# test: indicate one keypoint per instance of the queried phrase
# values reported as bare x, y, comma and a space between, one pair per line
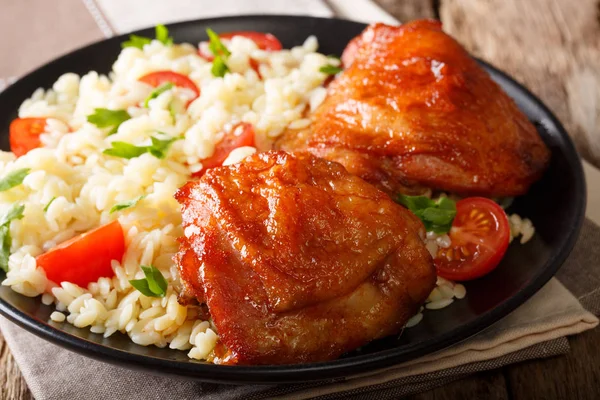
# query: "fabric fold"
557, 314
537, 329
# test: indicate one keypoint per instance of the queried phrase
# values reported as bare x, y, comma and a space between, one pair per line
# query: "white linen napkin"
129, 15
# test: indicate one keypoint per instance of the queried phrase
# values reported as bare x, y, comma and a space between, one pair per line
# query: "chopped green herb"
219, 68
221, 53
334, 56
14, 212
5, 243
215, 45
173, 110
414, 203
437, 216
125, 150
125, 204
13, 179
153, 285
162, 35
158, 148
50, 202
330, 69
136, 41
157, 92
105, 118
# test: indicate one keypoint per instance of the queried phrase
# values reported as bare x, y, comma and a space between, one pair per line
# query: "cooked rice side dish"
85, 183
72, 186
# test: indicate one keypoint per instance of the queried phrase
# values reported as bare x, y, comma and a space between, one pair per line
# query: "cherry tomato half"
255, 65
157, 78
241, 135
86, 257
480, 234
264, 41
25, 134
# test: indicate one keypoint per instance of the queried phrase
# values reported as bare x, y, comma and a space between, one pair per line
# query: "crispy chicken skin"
412, 111
298, 260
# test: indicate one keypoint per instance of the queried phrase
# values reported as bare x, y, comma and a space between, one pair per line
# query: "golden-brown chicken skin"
298, 260
412, 110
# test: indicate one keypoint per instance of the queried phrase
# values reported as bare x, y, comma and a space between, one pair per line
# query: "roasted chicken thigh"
413, 111
298, 260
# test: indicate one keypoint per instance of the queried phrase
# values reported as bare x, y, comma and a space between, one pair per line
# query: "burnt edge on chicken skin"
413, 111
287, 249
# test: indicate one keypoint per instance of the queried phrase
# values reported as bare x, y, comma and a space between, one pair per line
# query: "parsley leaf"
415, 203
215, 45
221, 53
125, 150
158, 148
14, 212
126, 204
105, 118
173, 107
136, 41
437, 216
162, 35
330, 69
5, 243
153, 285
50, 202
219, 68
157, 92
13, 179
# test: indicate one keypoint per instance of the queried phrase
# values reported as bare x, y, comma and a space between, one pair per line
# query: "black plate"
555, 205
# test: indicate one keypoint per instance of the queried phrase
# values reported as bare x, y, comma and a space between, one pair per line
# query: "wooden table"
553, 47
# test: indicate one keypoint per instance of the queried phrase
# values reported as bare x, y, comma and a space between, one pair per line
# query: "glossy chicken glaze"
413, 110
298, 260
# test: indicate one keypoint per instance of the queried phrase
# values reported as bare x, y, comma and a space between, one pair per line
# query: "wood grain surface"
553, 48
12, 384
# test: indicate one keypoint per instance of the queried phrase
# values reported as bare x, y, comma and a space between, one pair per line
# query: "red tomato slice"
241, 135
157, 78
264, 41
86, 257
480, 234
25, 134
254, 65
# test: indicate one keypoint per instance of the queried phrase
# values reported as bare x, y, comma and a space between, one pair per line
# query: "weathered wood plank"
12, 384
406, 10
552, 46
574, 376
484, 385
